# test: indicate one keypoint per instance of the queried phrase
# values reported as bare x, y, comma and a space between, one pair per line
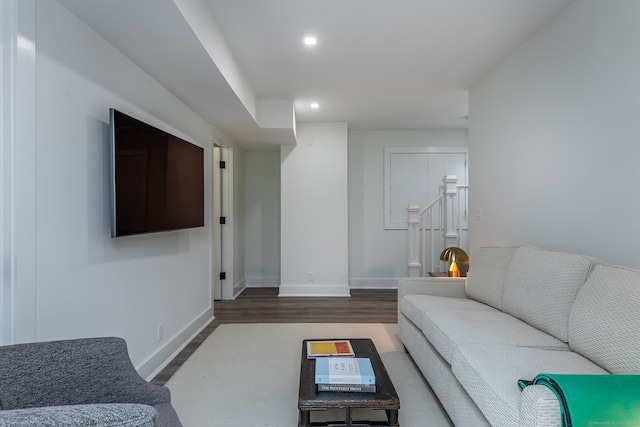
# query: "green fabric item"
594, 400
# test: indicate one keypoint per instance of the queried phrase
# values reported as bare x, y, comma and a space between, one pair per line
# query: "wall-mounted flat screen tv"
157, 179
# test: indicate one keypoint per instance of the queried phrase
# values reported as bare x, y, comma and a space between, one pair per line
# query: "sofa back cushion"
486, 275
604, 325
541, 286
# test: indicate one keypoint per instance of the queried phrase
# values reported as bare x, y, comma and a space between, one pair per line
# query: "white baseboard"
354, 283
314, 291
373, 283
263, 282
238, 288
158, 361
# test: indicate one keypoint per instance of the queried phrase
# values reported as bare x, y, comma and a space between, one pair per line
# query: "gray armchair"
82, 382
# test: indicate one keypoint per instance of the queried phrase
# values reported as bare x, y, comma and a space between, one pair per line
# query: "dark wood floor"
262, 305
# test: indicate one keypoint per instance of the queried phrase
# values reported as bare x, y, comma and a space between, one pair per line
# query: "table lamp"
453, 254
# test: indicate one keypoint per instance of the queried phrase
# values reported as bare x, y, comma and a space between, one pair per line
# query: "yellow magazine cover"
329, 348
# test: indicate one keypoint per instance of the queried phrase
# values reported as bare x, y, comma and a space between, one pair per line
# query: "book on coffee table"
347, 388
344, 370
329, 348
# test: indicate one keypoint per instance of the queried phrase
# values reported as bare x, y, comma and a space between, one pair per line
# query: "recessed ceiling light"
315, 105
310, 41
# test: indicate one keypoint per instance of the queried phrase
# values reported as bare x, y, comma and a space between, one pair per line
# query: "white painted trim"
173, 347
374, 283
228, 286
263, 281
17, 171
388, 152
307, 290
238, 288
8, 67
216, 266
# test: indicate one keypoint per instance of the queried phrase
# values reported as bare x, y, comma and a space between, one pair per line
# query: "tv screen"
157, 179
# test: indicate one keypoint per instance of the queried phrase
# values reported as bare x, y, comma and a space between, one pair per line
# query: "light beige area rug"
247, 375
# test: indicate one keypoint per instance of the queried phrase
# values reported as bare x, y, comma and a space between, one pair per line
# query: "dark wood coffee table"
385, 398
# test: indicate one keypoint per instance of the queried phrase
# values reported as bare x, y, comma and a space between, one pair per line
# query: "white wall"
262, 218
84, 283
314, 212
238, 223
553, 138
17, 159
378, 257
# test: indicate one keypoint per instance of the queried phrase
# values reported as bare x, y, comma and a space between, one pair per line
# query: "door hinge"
223, 276
223, 164
223, 220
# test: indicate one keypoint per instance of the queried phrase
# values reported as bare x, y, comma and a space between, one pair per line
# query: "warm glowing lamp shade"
454, 255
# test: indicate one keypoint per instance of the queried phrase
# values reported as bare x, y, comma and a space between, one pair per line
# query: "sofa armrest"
106, 415
73, 372
452, 287
539, 407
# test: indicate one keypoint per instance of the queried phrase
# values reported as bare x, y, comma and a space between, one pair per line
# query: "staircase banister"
444, 227
431, 205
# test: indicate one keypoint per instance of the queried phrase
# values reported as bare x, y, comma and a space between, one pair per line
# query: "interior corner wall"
378, 257
553, 138
79, 282
262, 218
238, 224
314, 212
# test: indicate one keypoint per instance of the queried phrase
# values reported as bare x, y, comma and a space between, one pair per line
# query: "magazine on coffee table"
329, 348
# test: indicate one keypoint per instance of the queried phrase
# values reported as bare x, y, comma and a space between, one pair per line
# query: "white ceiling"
378, 64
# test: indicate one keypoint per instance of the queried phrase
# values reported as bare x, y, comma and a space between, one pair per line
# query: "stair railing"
445, 230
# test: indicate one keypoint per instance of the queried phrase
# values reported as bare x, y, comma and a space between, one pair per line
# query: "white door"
217, 231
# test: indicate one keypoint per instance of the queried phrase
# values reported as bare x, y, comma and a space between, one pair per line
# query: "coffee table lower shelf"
385, 398
392, 420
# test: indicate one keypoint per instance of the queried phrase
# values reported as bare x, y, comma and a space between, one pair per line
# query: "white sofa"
521, 311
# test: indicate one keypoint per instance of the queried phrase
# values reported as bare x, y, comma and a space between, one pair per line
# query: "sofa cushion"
448, 329
490, 374
457, 403
541, 286
414, 306
487, 272
604, 324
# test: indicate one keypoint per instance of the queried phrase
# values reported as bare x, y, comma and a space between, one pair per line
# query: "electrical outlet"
310, 276
478, 214
160, 331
